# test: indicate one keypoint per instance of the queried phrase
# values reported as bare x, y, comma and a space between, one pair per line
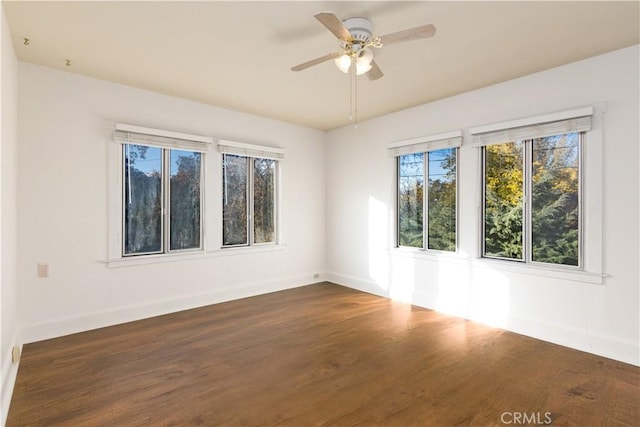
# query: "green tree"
442, 200
143, 203
555, 199
410, 200
504, 176
234, 212
185, 200
263, 200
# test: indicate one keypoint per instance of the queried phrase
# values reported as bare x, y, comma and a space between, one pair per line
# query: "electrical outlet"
43, 270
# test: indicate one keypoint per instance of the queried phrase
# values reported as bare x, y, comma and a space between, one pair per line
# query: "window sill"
154, 259
244, 250
559, 272
509, 266
192, 255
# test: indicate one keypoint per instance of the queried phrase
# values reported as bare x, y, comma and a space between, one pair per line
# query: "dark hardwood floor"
317, 355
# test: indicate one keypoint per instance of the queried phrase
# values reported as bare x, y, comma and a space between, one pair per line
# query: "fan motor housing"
360, 28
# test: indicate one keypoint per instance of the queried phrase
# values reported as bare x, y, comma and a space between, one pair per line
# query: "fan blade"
316, 61
415, 33
375, 72
334, 25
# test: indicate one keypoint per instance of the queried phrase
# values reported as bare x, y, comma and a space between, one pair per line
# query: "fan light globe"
362, 68
343, 62
363, 63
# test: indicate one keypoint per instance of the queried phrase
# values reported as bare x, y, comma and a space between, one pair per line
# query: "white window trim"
119, 134
477, 132
592, 215
211, 193
251, 151
424, 144
537, 270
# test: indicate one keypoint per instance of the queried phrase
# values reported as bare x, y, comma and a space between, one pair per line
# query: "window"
429, 165
249, 200
532, 199
411, 200
249, 194
441, 170
162, 198
155, 181
532, 193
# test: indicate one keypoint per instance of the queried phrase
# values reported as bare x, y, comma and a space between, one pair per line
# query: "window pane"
264, 215
555, 210
503, 185
410, 199
185, 200
442, 200
142, 199
234, 200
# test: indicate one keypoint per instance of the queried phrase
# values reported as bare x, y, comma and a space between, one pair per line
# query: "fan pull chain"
355, 96
350, 93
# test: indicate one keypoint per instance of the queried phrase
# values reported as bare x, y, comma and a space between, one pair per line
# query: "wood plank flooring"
320, 355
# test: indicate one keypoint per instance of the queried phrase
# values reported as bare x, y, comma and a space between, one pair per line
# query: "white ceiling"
238, 55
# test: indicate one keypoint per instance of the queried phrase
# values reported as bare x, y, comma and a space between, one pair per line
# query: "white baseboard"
9, 374
364, 285
89, 321
567, 336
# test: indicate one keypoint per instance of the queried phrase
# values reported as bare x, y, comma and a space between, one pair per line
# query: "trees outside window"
411, 200
264, 193
439, 169
158, 180
442, 199
248, 200
532, 200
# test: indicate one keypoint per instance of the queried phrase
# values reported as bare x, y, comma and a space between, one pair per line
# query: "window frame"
527, 206
483, 162
250, 210
275, 201
165, 202
427, 144
457, 200
592, 182
424, 204
203, 160
117, 135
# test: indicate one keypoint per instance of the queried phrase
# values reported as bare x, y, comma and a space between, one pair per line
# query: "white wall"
599, 318
63, 124
8, 215
62, 200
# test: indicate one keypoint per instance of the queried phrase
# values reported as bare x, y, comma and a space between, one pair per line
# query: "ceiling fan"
356, 41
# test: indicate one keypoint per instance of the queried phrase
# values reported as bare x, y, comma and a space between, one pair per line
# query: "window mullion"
397, 192
126, 195
527, 206
166, 197
250, 237
425, 202
203, 198
483, 209
581, 213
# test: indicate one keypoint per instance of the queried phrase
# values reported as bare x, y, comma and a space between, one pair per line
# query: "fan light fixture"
355, 39
363, 63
